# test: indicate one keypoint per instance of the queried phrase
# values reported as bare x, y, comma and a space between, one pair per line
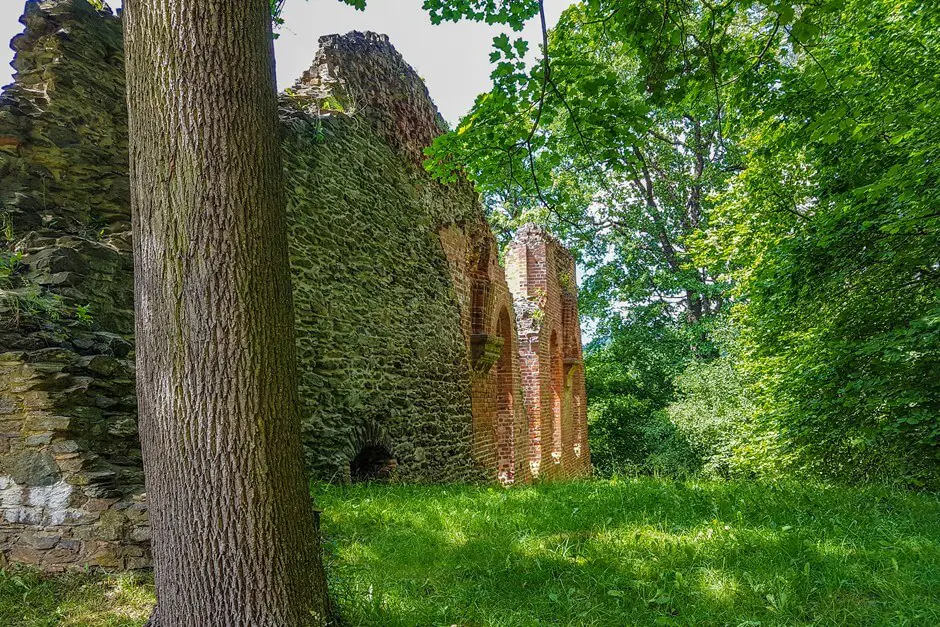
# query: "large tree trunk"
234, 539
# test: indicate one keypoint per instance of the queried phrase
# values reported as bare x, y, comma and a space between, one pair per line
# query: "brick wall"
500, 422
542, 277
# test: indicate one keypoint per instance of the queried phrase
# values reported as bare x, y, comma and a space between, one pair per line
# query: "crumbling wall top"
63, 137
531, 233
363, 74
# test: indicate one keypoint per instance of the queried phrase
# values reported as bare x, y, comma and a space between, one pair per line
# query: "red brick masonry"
521, 325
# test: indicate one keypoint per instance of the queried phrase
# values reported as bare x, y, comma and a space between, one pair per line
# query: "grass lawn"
634, 552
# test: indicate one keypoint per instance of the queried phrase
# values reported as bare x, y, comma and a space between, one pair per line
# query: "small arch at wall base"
372, 463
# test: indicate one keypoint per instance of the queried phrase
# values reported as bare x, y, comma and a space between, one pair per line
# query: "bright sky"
452, 58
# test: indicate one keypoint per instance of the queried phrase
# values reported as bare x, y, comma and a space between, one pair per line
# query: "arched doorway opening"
556, 370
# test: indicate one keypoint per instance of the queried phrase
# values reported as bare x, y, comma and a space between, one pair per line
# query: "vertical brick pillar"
542, 277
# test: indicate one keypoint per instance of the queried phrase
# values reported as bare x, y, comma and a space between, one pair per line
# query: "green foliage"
330, 103
29, 304
10, 264
24, 302
629, 372
630, 435
830, 234
616, 152
83, 315
716, 416
6, 227
538, 315
514, 13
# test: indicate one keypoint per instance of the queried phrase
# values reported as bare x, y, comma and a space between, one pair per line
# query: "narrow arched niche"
556, 373
578, 426
505, 404
373, 463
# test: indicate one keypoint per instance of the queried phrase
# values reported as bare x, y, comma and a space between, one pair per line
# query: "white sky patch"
452, 58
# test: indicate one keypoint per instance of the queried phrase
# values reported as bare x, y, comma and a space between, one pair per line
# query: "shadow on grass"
596, 553
641, 552
29, 599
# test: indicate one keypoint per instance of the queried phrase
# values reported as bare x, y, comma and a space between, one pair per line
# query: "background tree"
616, 139
830, 234
609, 152
234, 538
770, 161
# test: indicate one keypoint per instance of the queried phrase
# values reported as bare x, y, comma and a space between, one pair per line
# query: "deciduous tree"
234, 537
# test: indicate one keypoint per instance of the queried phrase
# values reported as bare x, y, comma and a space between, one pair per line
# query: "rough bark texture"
234, 539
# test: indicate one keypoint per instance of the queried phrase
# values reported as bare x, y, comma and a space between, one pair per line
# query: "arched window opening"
480, 286
569, 317
478, 297
372, 463
556, 370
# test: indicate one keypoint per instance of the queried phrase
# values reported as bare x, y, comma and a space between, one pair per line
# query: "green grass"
635, 552
28, 599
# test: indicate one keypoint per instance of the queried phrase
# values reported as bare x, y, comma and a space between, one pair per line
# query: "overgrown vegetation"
623, 552
21, 301
751, 188
24, 302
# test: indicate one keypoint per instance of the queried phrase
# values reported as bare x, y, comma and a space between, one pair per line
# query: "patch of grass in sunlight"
28, 599
633, 552
594, 553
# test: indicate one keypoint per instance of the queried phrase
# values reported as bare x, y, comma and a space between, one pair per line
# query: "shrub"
716, 414
630, 435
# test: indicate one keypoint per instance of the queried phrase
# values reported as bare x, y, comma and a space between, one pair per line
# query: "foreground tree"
234, 538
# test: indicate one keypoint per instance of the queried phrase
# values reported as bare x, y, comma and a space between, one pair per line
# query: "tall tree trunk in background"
234, 539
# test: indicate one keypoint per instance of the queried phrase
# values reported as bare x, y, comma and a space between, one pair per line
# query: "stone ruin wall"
406, 325
383, 360
70, 465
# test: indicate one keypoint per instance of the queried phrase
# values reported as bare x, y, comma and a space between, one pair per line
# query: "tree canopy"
757, 178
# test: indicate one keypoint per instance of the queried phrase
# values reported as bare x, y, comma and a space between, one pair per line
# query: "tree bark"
234, 537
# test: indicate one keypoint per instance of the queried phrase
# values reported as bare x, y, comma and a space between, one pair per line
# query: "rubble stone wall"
383, 359
71, 485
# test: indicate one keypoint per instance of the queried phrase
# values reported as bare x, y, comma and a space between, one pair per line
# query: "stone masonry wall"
71, 485
406, 325
383, 359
